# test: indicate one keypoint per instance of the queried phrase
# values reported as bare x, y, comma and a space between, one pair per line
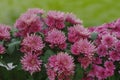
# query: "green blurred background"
92, 12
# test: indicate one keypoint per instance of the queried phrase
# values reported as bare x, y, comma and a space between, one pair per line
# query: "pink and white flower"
31, 63
60, 66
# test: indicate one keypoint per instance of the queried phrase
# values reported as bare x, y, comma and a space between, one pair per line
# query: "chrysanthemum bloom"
71, 18
100, 29
60, 67
32, 43
97, 72
117, 46
85, 61
117, 25
97, 60
4, 32
2, 49
108, 40
55, 19
28, 23
77, 32
109, 65
114, 56
100, 73
84, 47
35, 11
56, 38
116, 34
31, 63
109, 72
102, 50
93, 71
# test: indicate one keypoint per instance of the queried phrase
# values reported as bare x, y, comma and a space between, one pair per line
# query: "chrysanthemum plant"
56, 46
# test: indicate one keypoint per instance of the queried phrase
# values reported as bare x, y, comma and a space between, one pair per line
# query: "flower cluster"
57, 46
107, 57
60, 67
4, 36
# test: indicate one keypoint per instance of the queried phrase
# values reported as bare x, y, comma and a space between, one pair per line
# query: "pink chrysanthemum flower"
2, 49
93, 71
31, 63
108, 40
100, 29
32, 43
55, 19
28, 23
117, 46
102, 50
77, 32
60, 67
100, 73
109, 72
56, 38
109, 65
85, 61
117, 25
4, 32
35, 11
71, 18
97, 60
114, 56
116, 34
84, 47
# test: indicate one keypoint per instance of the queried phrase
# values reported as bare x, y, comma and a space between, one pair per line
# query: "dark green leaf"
94, 36
46, 55
78, 72
12, 47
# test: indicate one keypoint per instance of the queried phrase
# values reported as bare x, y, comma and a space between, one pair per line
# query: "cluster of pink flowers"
32, 46
107, 44
58, 42
102, 72
4, 36
60, 67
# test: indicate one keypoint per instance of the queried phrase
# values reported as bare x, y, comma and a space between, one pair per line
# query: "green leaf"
93, 35
78, 72
46, 55
3, 62
46, 79
12, 46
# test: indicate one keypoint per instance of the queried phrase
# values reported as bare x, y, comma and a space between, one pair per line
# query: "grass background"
92, 12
